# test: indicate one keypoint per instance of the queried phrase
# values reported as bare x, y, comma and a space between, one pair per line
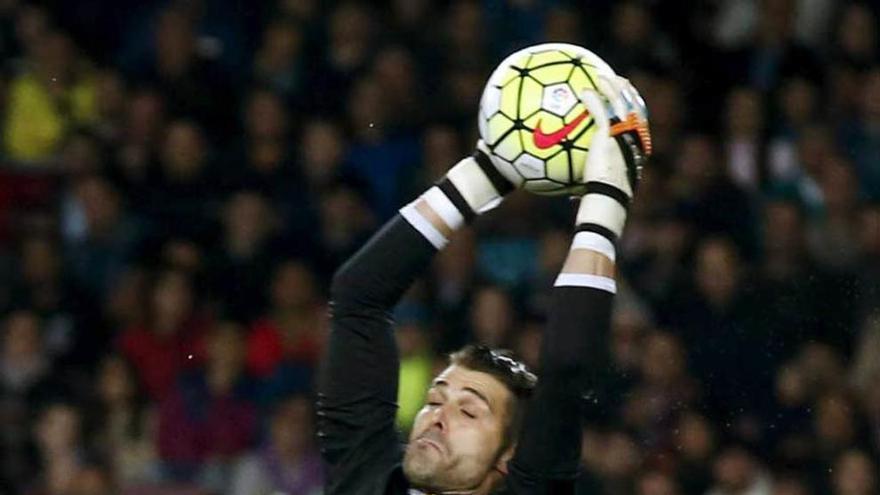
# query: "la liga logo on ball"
561, 99
531, 119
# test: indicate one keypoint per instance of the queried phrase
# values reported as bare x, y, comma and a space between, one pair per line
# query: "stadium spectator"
835, 426
745, 146
736, 470
136, 151
279, 62
379, 155
868, 278
634, 44
93, 479
791, 485
350, 32
54, 92
697, 442
209, 417
186, 189
613, 465
346, 220
861, 138
290, 332
27, 382
288, 462
720, 310
170, 340
656, 483
58, 437
788, 271
651, 407
99, 252
394, 70
239, 268
854, 473
708, 197
262, 158
773, 52
322, 147
43, 287
111, 106
836, 246
124, 307
124, 424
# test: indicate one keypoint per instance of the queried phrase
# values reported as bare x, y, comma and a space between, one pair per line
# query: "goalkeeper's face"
457, 440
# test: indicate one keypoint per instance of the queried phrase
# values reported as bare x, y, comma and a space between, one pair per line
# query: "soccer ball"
531, 118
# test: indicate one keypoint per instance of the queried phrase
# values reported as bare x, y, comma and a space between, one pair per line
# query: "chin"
427, 474
424, 471
418, 468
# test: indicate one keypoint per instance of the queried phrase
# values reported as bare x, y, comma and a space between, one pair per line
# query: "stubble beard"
422, 468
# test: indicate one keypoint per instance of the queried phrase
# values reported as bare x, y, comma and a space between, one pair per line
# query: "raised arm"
357, 389
575, 340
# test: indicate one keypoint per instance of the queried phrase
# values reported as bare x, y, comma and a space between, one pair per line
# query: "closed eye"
468, 414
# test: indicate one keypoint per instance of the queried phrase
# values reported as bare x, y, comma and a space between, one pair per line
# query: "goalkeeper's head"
465, 434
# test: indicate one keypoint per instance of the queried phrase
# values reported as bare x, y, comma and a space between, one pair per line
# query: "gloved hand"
618, 151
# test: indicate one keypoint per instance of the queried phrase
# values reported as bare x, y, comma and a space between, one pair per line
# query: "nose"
438, 418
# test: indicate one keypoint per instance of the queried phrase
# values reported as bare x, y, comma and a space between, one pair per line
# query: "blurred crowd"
179, 179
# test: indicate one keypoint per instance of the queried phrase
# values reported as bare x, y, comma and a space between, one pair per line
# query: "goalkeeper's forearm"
574, 347
378, 275
573, 350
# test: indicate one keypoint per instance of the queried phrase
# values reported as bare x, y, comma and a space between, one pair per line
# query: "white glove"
620, 146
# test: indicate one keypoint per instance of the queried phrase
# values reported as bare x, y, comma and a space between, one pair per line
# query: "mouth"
430, 443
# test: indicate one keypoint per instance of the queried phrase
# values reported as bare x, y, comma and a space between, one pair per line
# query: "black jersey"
358, 382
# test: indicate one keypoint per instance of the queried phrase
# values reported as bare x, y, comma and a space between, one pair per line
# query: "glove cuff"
604, 211
477, 182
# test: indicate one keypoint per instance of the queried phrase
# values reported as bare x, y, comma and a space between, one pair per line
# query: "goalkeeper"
488, 424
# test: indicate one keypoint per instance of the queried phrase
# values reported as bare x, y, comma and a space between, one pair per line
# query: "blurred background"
178, 181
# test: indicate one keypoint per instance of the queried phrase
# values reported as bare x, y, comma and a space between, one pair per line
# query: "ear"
501, 464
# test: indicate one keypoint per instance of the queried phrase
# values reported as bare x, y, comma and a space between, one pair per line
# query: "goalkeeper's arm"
575, 341
357, 389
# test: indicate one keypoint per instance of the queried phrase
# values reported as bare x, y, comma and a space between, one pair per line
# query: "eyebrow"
444, 383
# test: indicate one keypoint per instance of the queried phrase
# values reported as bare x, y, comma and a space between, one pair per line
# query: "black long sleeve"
573, 349
357, 389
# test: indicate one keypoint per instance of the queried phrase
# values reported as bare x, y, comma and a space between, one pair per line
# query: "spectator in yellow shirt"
52, 94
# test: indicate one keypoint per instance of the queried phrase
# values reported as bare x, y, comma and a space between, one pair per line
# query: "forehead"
459, 378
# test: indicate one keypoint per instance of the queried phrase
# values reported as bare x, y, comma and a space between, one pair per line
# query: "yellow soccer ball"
531, 118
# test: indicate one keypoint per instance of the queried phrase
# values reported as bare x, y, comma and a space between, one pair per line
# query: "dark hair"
501, 364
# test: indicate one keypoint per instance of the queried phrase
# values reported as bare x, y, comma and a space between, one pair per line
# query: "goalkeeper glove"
619, 149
